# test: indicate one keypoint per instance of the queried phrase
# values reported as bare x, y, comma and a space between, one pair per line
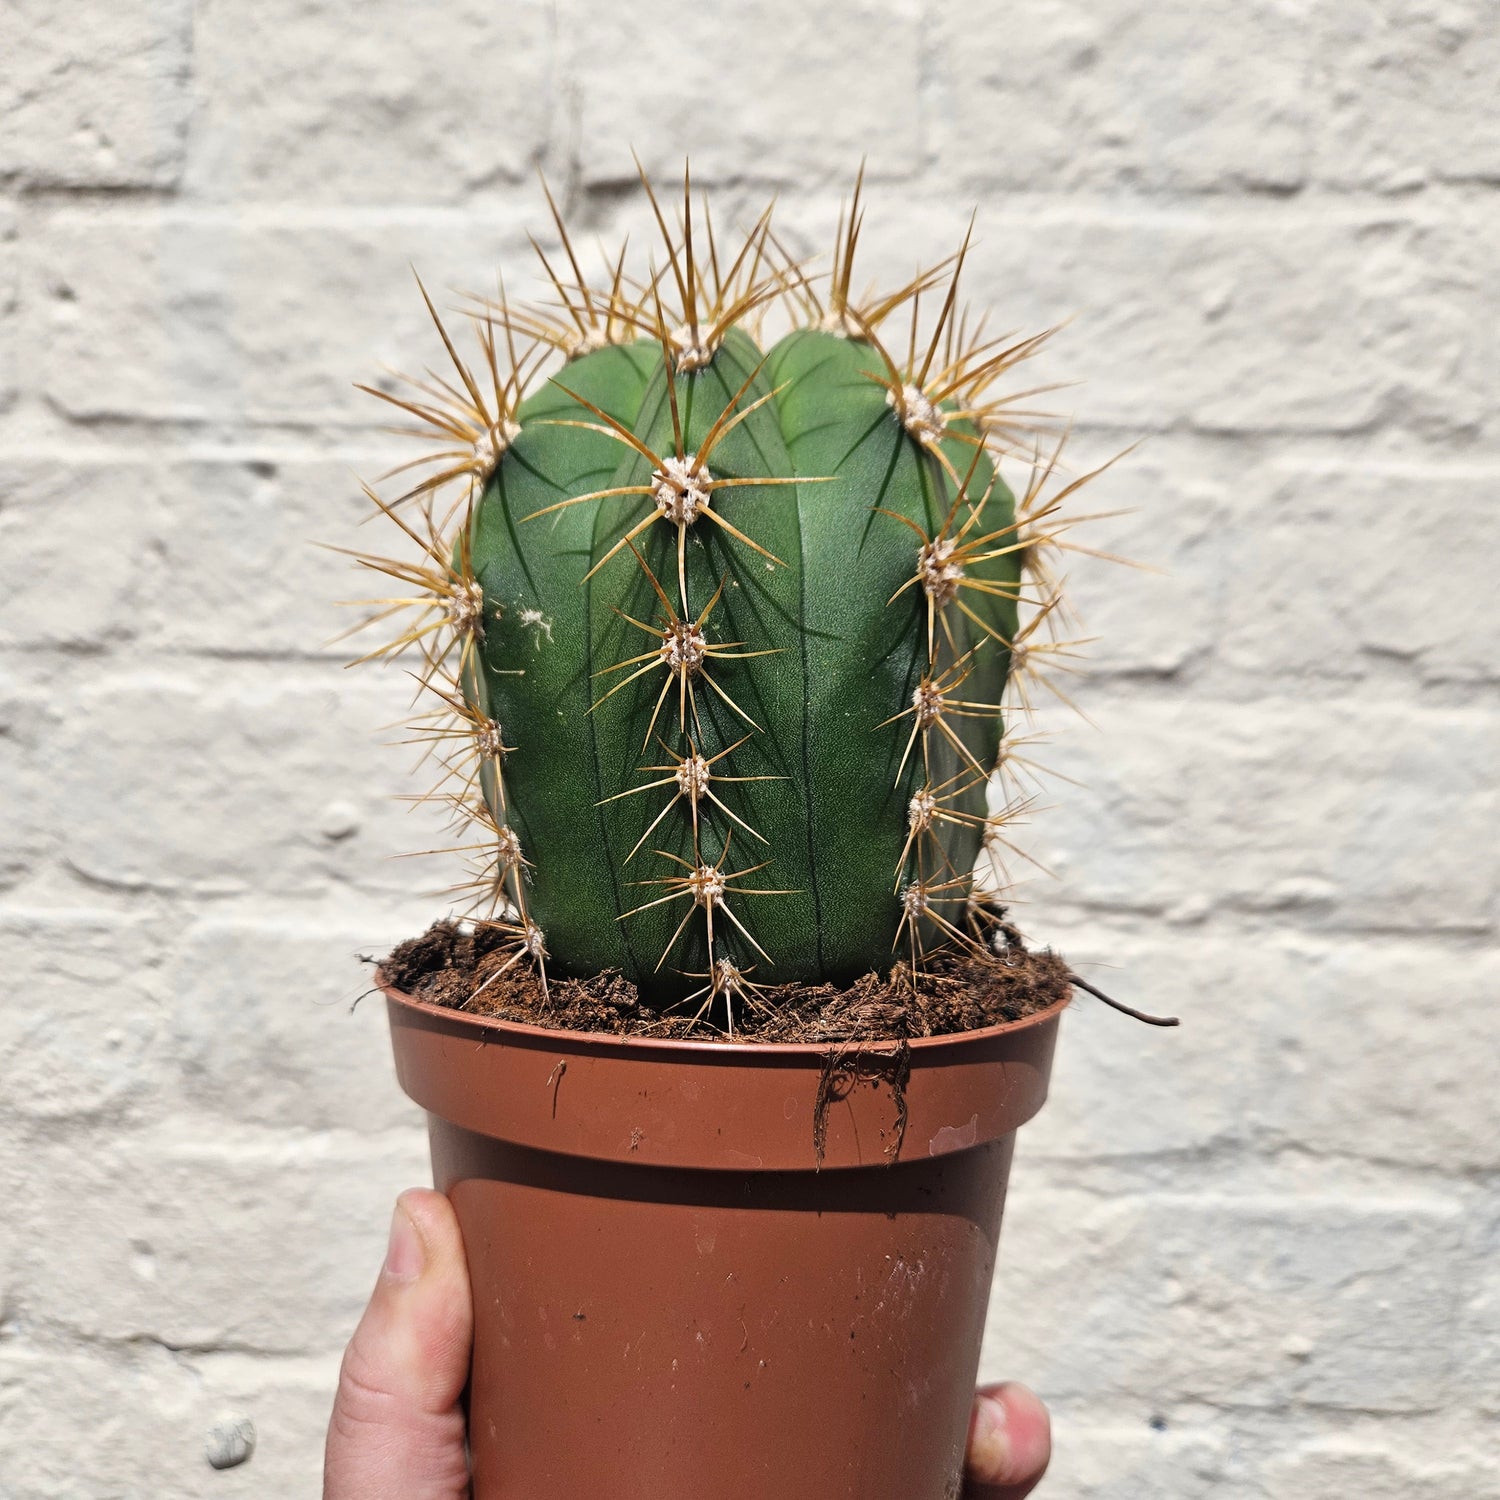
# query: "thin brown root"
844, 1069
1119, 1005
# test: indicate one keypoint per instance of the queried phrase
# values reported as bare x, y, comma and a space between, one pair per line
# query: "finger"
397, 1431
1010, 1443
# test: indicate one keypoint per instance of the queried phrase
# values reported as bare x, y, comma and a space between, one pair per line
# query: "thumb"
1010, 1443
397, 1431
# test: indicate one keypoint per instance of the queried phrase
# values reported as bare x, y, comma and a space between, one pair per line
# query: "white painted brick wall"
1256, 1257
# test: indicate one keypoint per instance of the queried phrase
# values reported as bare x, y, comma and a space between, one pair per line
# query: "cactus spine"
722, 635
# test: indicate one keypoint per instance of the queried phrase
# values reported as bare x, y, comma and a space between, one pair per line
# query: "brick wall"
1256, 1257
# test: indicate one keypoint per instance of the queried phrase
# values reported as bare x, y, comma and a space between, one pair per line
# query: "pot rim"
702, 1050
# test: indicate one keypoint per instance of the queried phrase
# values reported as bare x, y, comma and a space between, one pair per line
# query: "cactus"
727, 639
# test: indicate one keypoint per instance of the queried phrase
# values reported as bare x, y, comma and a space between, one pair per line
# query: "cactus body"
748, 619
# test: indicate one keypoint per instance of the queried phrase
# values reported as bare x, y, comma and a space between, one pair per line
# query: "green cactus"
721, 630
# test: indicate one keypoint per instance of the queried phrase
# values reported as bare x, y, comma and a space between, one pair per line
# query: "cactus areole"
726, 615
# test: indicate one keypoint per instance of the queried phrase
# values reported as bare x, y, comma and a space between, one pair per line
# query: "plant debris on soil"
456, 965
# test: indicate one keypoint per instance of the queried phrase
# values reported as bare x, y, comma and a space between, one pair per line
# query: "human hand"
397, 1431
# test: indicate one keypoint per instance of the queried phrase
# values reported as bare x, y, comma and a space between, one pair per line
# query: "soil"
955, 991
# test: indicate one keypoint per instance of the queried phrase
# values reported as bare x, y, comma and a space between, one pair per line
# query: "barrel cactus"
729, 643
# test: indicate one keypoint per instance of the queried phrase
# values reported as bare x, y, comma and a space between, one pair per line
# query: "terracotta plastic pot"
714, 1272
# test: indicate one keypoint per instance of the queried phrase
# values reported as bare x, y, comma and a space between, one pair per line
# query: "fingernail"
989, 1442
406, 1254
